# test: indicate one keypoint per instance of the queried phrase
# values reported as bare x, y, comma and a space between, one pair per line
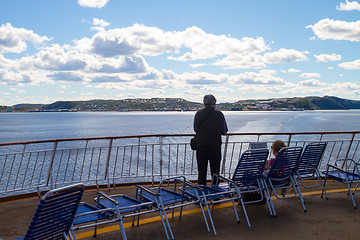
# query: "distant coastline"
179, 104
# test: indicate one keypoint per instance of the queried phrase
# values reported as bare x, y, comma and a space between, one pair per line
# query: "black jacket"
210, 131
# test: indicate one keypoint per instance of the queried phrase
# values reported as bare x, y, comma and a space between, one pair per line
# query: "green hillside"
178, 104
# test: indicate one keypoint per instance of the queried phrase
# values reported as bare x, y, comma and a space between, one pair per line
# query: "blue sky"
234, 49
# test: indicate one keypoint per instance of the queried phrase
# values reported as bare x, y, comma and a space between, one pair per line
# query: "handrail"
36, 166
175, 135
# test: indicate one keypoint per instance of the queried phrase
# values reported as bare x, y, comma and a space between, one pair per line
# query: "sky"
234, 49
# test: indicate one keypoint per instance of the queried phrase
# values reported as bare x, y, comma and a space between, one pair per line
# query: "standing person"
209, 125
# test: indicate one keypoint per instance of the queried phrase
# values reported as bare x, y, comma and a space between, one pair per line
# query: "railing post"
289, 140
352, 139
138, 158
224, 155
51, 164
161, 156
108, 162
22, 157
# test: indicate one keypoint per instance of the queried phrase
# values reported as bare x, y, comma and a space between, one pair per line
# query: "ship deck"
335, 218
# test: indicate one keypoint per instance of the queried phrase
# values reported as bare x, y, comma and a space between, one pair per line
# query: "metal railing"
35, 166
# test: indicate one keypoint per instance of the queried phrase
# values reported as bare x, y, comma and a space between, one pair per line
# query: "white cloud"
293, 70
13, 40
136, 39
336, 30
152, 41
93, 3
204, 45
355, 65
100, 22
197, 65
10, 78
344, 89
18, 90
311, 83
67, 63
202, 78
236, 61
99, 25
310, 75
284, 55
348, 6
327, 57
263, 77
255, 61
222, 89
116, 59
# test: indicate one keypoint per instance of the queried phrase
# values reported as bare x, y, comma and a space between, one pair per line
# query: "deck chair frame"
208, 196
248, 175
55, 213
308, 165
345, 171
282, 175
110, 209
165, 199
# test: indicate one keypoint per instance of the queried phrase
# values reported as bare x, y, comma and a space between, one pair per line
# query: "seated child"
275, 147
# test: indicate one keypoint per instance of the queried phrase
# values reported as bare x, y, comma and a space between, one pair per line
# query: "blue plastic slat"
250, 167
284, 165
207, 190
85, 208
311, 157
124, 201
54, 214
341, 176
167, 196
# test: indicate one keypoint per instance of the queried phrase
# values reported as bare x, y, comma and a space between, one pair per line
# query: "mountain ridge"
179, 104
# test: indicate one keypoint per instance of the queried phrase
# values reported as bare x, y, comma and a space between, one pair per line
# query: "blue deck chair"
248, 175
55, 214
87, 213
109, 209
309, 163
207, 196
281, 175
167, 199
344, 171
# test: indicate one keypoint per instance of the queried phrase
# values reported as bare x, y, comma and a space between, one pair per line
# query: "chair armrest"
104, 195
193, 185
146, 189
177, 178
225, 179
347, 166
334, 166
188, 183
143, 204
95, 211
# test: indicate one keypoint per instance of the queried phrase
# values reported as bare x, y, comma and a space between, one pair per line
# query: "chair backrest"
257, 145
55, 213
284, 165
250, 167
311, 157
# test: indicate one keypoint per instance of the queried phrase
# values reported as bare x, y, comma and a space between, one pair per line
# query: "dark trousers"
205, 154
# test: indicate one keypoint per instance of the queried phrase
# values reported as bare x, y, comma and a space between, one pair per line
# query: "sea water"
17, 127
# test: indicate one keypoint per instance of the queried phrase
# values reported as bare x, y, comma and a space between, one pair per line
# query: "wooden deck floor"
335, 218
